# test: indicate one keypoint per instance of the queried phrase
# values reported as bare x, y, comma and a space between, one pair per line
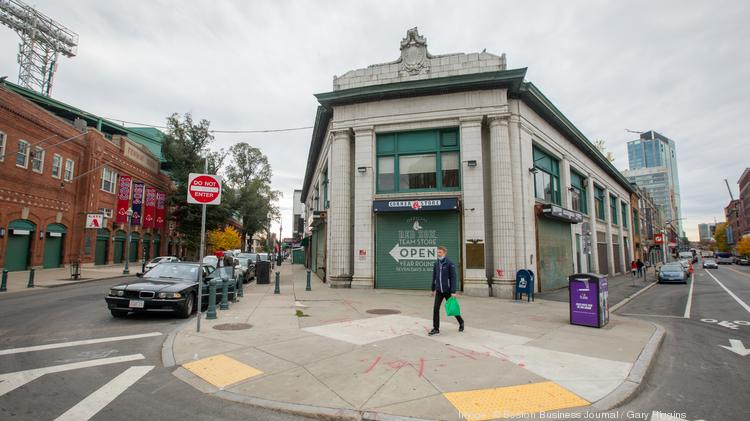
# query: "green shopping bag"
451, 307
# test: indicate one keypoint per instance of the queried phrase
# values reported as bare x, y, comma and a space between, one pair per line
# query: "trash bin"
589, 304
263, 272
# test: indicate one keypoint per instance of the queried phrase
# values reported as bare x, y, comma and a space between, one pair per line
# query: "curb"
628, 299
167, 347
84, 281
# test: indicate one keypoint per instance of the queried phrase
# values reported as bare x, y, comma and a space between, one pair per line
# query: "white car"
161, 259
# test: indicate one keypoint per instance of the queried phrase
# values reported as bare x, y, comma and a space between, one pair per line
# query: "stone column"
518, 185
608, 226
623, 235
594, 256
503, 204
566, 201
364, 273
339, 270
472, 182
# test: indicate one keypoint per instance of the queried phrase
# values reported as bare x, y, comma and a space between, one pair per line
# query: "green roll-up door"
53, 246
19, 241
146, 245
406, 244
157, 246
119, 252
555, 253
101, 249
133, 251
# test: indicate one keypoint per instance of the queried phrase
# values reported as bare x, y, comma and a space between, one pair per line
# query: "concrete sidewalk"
50, 278
333, 353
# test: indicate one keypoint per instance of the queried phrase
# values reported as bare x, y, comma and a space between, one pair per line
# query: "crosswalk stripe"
76, 343
102, 397
12, 381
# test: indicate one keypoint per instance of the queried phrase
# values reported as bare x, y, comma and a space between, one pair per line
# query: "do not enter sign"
204, 189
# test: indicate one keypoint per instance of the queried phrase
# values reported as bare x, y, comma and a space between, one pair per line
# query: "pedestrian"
443, 287
640, 264
634, 268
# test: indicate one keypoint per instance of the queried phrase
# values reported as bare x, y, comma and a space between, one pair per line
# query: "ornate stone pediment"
414, 55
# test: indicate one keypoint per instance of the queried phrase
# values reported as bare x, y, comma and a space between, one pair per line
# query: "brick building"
59, 163
744, 217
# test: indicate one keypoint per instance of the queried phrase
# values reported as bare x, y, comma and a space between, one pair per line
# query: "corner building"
456, 150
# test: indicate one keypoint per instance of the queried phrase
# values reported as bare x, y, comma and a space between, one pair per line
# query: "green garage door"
17, 253
133, 251
102, 246
119, 252
555, 253
406, 245
53, 246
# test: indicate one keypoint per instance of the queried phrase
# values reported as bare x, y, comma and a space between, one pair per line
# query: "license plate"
136, 304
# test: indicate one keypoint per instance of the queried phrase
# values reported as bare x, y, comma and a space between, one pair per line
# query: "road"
130, 384
694, 374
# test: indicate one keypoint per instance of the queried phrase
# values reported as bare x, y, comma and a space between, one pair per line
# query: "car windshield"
179, 271
159, 259
672, 267
244, 260
224, 272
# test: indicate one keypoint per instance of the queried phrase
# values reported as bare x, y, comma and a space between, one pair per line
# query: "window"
613, 208
107, 212
56, 165
69, 167
624, 213
109, 179
2, 146
22, 156
599, 202
579, 197
418, 161
547, 177
325, 189
37, 160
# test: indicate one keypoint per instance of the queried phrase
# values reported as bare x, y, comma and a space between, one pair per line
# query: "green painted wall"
555, 254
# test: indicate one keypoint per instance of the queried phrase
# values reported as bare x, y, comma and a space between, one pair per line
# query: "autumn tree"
743, 246
720, 236
224, 239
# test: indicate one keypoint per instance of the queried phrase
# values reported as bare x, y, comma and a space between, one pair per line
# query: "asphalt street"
125, 378
694, 374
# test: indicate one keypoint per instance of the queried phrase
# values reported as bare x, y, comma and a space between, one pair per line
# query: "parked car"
744, 261
245, 269
672, 272
710, 264
168, 287
211, 261
161, 259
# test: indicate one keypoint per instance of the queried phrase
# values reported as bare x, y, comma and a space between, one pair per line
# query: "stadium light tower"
42, 42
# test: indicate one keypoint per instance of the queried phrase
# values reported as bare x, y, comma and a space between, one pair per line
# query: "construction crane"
731, 196
42, 42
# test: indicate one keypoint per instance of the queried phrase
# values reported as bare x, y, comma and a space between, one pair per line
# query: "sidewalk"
333, 353
50, 278
621, 287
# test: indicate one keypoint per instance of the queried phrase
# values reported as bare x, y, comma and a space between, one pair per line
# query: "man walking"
443, 286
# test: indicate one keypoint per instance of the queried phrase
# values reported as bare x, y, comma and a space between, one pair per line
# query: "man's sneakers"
434, 332
461, 327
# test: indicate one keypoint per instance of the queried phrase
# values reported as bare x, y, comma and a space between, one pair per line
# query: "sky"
677, 67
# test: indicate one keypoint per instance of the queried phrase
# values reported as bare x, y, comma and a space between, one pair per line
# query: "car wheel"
119, 313
189, 306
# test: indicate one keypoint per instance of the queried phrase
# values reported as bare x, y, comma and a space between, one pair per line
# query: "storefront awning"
416, 205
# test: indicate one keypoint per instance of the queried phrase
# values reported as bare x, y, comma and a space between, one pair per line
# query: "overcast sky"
678, 67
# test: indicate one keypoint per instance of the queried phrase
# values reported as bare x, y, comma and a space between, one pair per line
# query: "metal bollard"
4, 284
308, 287
241, 289
277, 290
31, 279
224, 295
211, 311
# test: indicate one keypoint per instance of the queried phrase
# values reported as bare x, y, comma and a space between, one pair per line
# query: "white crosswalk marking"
96, 401
76, 343
12, 381
731, 294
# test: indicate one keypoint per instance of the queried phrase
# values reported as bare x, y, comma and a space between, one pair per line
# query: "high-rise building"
653, 167
706, 232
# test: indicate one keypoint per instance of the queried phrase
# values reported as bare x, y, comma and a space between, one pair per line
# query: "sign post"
203, 189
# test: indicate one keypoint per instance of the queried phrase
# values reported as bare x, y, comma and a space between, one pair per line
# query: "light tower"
42, 42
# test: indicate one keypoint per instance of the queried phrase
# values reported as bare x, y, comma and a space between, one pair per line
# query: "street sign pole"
200, 256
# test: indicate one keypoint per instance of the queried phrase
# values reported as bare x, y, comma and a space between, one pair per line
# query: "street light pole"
126, 269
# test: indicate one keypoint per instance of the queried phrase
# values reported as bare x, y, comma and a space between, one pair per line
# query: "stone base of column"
363, 282
340, 281
503, 289
476, 287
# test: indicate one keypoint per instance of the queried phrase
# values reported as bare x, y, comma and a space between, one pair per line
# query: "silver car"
710, 264
161, 259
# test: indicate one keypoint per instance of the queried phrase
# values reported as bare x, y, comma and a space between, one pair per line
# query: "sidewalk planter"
589, 303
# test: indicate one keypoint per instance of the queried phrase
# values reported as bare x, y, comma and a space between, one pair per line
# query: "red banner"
123, 199
149, 208
160, 200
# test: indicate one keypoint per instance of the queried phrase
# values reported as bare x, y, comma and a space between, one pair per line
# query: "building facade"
58, 164
456, 150
705, 232
744, 184
734, 217
652, 162
298, 216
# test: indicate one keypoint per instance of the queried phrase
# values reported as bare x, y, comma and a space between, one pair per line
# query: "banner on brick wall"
149, 211
137, 202
161, 198
123, 199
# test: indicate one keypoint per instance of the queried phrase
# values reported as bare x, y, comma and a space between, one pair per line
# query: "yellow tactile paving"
505, 402
221, 371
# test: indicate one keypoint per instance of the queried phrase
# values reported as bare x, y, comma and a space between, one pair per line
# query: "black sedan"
168, 287
672, 272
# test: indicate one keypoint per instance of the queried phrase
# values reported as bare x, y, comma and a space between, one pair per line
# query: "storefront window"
449, 166
578, 194
386, 173
624, 211
599, 202
417, 172
613, 208
546, 177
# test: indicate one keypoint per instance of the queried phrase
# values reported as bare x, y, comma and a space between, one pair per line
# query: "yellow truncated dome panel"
221, 371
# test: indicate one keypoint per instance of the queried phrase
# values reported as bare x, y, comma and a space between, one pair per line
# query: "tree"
720, 236
249, 176
224, 239
185, 149
743, 247
601, 145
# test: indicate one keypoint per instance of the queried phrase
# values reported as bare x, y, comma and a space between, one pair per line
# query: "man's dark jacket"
444, 276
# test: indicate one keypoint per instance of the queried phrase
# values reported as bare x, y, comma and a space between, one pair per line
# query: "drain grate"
233, 326
383, 311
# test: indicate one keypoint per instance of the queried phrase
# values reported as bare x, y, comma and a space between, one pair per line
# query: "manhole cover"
233, 326
383, 311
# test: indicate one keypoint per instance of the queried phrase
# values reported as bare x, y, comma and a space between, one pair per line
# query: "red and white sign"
204, 189
94, 220
659, 238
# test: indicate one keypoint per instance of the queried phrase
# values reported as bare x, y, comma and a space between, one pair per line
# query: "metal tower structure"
42, 42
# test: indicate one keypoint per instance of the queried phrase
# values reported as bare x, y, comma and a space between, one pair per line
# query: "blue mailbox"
524, 284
